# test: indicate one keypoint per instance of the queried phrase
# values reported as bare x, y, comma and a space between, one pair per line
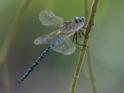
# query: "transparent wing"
67, 47
45, 39
48, 18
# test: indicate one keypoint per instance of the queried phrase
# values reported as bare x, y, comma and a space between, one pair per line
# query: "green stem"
90, 68
11, 32
83, 49
86, 13
7, 43
77, 71
91, 19
6, 79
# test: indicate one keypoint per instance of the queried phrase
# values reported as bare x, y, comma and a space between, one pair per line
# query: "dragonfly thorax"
71, 27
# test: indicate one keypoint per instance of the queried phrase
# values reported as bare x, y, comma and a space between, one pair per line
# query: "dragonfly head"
79, 19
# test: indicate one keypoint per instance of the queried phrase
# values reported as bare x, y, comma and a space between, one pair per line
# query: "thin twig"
7, 43
91, 20
77, 72
90, 68
11, 32
6, 79
83, 49
86, 12
89, 60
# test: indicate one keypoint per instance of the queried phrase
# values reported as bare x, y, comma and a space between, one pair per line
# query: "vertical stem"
79, 66
90, 68
83, 49
11, 32
7, 43
86, 12
77, 71
91, 19
6, 78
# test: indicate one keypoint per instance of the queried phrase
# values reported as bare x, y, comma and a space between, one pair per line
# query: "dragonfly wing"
45, 39
67, 47
48, 18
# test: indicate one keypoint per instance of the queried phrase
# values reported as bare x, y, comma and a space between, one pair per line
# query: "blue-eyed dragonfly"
58, 40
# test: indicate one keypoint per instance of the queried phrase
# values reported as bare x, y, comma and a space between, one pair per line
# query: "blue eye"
79, 19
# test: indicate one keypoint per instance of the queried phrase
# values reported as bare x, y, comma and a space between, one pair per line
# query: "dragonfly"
58, 40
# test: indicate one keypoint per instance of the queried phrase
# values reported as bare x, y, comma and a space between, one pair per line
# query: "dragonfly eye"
79, 19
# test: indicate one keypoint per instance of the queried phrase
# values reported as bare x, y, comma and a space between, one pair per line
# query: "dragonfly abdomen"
31, 68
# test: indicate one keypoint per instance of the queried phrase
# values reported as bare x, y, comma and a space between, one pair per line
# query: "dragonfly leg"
73, 37
79, 34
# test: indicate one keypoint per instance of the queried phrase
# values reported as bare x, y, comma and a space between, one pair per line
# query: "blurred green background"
55, 74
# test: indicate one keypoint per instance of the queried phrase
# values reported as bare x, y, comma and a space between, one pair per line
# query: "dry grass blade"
11, 32
83, 49
90, 68
7, 42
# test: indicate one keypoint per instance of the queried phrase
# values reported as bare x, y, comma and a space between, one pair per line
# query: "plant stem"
89, 60
90, 68
7, 43
78, 70
86, 12
11, 32
91, 19
83, 49
6, 78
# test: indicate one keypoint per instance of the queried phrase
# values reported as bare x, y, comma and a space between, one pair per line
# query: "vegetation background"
55, 74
